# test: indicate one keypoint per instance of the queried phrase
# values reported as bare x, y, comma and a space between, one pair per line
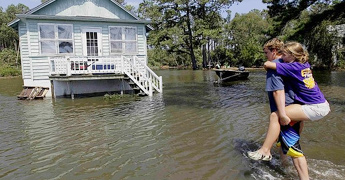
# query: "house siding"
40, 68
25, 50
33, 41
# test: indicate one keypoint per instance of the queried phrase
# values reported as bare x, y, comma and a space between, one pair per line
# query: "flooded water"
194, 130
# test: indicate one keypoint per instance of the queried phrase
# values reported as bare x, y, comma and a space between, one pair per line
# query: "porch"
77, 68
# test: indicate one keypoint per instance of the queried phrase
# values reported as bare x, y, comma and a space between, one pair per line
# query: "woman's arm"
270, 65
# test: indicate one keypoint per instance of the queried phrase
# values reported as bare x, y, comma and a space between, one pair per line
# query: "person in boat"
279, 96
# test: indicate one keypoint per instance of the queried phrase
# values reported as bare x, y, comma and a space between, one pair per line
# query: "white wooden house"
84, 46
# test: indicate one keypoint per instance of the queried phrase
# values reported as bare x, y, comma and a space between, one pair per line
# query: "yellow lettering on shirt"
308, 80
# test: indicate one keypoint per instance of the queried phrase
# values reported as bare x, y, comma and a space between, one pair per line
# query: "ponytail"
298, 51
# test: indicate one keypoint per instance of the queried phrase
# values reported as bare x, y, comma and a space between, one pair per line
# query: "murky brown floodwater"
194, 130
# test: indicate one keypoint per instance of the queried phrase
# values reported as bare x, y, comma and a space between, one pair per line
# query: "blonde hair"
274, 43
296, 50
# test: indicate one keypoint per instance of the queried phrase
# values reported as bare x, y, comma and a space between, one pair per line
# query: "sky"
243, 7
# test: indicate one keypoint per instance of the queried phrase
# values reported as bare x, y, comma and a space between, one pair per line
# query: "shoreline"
230, 68
178, 68
9, 77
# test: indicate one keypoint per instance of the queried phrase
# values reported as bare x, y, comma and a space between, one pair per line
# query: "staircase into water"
141, 78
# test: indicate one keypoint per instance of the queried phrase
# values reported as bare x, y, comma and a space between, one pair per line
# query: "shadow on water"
261, 169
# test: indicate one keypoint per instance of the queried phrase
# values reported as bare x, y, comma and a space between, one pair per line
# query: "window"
123, 39
55, 39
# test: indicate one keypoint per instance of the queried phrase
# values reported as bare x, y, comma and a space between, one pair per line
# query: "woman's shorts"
316, 111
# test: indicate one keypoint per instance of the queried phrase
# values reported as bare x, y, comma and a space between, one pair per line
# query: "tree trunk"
208, 53
190, 37
204, 56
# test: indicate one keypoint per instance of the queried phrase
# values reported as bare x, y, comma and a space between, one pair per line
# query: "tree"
283, 11
246, 33
182, 26
308, 21
8, 36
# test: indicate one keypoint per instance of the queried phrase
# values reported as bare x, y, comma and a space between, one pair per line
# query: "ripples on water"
194, 130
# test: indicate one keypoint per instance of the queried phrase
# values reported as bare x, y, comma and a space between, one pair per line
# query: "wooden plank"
32, 92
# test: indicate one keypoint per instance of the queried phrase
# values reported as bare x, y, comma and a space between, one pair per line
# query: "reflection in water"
194, 130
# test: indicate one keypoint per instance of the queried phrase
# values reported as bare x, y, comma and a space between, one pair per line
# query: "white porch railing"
84, 65
152, 76
132, 66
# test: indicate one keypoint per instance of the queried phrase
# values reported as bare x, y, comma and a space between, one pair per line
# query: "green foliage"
321, 42
182, 26
161, 57
8, 65
247, 35
309, 22
8, 36
223, 56
114, 97
340, 54
6, 70
9, 57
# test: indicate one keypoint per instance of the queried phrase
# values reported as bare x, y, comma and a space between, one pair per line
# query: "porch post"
122, 65
70, 89
52, 89
161, 84
150, 87
68, 67
122, 87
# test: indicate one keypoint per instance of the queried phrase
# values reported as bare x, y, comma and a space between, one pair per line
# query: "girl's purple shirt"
300, 77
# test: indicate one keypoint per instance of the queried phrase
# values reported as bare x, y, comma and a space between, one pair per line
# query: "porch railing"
157, 81
132, 66
84, 65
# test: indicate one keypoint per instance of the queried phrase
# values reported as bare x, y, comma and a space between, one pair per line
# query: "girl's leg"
295, 112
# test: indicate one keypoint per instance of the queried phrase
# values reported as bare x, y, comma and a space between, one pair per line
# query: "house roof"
30, 15
79, 18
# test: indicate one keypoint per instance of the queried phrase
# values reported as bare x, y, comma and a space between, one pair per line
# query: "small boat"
226, 75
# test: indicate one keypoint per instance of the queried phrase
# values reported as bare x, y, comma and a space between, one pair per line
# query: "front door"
92, 42
92, 45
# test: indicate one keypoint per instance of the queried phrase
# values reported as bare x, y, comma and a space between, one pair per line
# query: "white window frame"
99, 38
56, 39
123, 40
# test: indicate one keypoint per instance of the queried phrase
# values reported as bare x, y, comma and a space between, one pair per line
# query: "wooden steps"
32, 92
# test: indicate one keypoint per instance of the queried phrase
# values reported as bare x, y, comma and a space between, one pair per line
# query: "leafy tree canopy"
247, 34
283, 11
